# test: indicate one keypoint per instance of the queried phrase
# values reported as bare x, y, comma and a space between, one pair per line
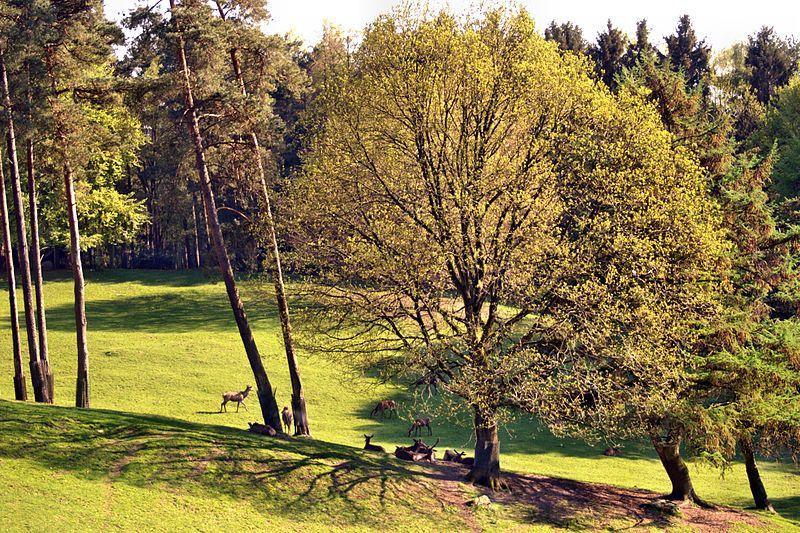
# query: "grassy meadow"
164, 344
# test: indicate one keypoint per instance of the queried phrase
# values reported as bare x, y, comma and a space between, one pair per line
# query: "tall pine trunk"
36, 251
669, 452
196, 232
486, 469
82, 378
20, 390
299, 411
38, 374
36, 263
754, 477
269, 406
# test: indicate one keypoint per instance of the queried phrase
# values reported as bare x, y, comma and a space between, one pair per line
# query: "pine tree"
688, 55
608, 53
569, 37
772, 62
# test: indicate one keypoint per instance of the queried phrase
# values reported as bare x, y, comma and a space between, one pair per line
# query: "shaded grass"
165, 343
211, 476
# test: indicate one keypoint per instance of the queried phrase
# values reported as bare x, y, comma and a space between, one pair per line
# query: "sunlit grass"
165, 343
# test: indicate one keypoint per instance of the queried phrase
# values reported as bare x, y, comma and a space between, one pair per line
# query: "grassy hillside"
164, 343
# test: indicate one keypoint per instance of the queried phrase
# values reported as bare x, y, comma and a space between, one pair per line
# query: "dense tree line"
599, 234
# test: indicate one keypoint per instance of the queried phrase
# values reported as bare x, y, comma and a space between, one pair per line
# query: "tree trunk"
205, 222
38, 378
36, 262
20, 390
754, 477
196, 233
299, 411
669, 451
486, 469
269, 406
36, 252
82, 380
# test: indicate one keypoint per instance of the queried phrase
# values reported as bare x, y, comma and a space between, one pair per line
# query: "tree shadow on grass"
181, 312
301, 479
788, 507
146, 277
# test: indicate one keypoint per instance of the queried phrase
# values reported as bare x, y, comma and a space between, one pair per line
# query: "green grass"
164, 343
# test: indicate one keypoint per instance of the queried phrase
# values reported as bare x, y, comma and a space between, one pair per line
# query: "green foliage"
782, 129
478, 205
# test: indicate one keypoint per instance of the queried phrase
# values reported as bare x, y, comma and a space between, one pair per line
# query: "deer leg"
237, 406
225, 405
430, 431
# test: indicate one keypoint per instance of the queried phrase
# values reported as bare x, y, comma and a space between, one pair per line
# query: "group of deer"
239, 397
387, 408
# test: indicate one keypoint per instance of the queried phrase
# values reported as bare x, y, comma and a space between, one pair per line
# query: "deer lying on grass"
372, 447
452, 456
261, 429
287, 417
417, 426
419, 451
237, 397
383, 407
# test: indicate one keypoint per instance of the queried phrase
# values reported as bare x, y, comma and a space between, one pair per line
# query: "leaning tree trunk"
36, 263
269, 407
486, 469
669, 451
38, 373
299, 411
82, 379
754, 477
20, 390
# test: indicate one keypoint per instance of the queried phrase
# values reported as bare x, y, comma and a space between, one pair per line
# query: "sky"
722, 23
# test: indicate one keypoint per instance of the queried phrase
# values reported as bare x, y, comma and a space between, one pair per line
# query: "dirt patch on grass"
568, 503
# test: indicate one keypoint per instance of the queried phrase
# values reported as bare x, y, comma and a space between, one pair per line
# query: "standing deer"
417, 426
287, 417
383, 407
372, 447
237, 397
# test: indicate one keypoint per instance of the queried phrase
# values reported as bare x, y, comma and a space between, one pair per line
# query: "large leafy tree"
481, 211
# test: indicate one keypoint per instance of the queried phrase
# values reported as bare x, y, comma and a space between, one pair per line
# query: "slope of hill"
164, 343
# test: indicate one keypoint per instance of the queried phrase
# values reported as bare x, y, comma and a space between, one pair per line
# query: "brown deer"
237, 397
419, 451
453, 456
287, 417
261, 429
372, 447
383, 407
417, 426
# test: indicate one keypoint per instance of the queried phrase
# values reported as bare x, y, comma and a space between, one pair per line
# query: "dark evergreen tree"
641, 48
772, 61
569, 36
688, 55
608, 54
